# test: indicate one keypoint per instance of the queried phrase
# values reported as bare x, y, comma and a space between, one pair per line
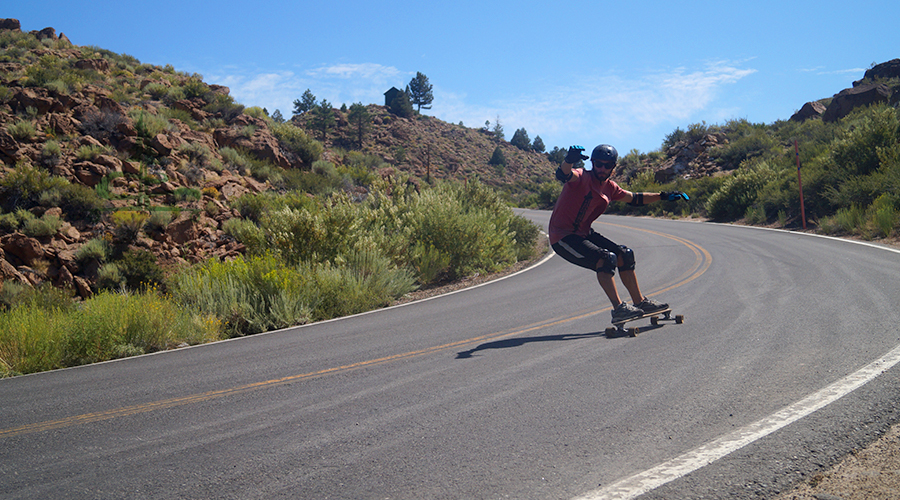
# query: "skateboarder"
585, 196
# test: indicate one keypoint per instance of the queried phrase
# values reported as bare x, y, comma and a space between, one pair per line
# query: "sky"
625, 73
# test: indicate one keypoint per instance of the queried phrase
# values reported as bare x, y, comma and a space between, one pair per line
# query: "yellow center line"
701, 263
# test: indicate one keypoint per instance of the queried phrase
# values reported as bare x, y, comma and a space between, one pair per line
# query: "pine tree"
306, 103
419, 91
401, 106
498, 158
520, 140
323, 118
360, 120
538, 144
498, 130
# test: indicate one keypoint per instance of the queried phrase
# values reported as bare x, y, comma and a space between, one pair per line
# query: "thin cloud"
366, 71
609, 106
859, 71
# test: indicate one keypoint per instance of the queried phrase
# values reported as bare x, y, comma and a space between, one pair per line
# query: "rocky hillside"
149, 159
97, 146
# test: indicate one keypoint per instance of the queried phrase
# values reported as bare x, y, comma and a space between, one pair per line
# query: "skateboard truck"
655, 318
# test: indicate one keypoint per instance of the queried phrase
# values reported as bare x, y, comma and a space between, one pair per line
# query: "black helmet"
605, 153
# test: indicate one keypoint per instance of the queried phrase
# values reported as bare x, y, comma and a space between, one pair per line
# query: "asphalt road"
507, 390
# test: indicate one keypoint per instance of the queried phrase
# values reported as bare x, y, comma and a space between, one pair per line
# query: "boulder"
9, 147
22, 247
38, 99
10, 24
885, 70
809, 110
98, 65
110, 162
83, 287
163, 144
849, 99
182, 230
9, 273
62, 124
89, 173
45, 33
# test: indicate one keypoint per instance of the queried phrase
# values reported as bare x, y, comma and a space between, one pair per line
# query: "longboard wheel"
679, 319
632, 332
654, 320
610, 331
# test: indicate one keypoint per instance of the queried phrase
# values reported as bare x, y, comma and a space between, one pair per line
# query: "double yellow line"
701, 263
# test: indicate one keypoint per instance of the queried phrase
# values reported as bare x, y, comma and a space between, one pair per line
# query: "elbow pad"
637, 200
562, 177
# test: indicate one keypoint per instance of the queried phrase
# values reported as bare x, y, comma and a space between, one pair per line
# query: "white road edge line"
680, 466
650, 479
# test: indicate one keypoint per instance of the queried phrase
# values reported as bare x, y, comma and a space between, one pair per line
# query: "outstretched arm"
638, 199
564, 172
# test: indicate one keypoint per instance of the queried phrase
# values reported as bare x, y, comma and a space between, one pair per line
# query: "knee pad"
627, 259
608, 263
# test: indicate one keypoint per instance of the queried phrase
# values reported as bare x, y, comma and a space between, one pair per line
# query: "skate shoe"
624, 312
651, 306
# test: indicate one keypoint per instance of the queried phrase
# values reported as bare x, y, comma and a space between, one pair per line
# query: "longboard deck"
654, 320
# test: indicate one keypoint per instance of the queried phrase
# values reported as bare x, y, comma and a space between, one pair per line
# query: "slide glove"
575, 154
674, 195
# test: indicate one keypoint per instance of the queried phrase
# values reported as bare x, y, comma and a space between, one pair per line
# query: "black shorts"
585, 252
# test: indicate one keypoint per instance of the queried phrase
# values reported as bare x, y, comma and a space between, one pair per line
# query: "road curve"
507, 390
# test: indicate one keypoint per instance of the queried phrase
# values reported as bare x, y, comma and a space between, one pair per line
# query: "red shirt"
582, 200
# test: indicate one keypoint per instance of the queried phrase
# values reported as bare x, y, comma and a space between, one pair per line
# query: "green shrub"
753, 142
156, 90
738, 192
181, 115
234, 160
298, 144
322, 179
46, 226
32, 339
139, 270
22, 130
90, 152
174, 94
367, 281
109, 277
526, 235
81, 202
51, 152
50, 69
9, 223
186, 194
884, 214
159, 220
115, 325
128, 224
254, 205
224, 107
94, 249
430, 263
195, 87
197, 153
45, 296
148, 125
25, 185
249, 295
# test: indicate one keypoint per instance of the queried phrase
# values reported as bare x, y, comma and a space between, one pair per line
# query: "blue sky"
571, 72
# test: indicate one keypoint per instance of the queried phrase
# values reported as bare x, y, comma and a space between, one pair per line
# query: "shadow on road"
520, 341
